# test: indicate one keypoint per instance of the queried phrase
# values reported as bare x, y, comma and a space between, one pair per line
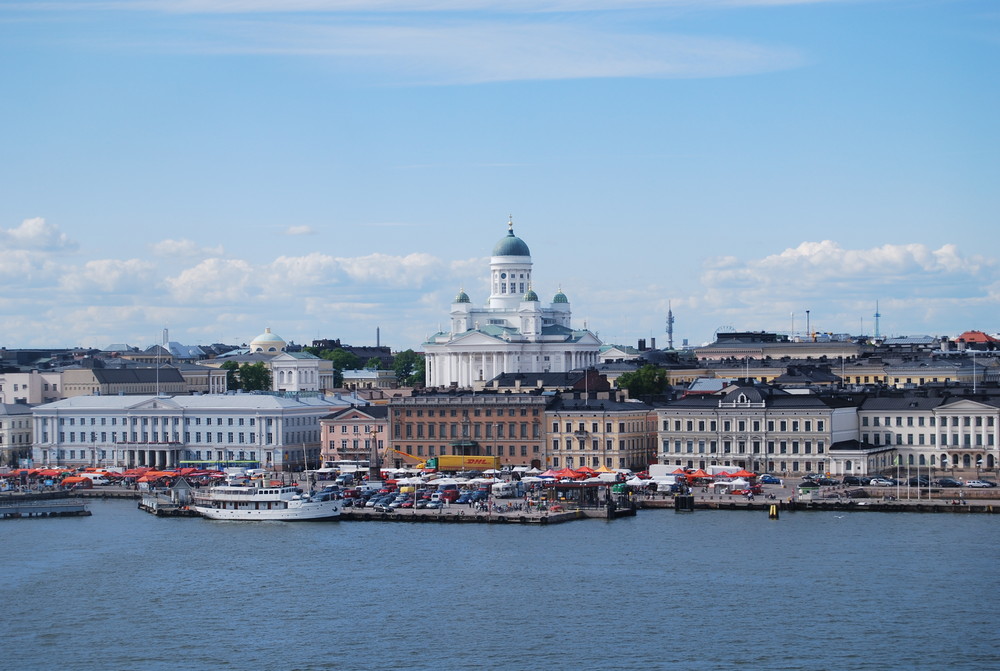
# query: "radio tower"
670, 326
878, 315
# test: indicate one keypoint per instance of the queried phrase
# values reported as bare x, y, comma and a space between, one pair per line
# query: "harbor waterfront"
125, 590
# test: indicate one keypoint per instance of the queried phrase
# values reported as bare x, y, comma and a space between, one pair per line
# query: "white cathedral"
514, 333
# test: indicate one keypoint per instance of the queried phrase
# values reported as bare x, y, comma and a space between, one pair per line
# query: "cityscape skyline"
329, 168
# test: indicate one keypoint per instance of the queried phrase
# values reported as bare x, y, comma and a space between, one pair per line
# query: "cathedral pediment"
474, 338
967, 405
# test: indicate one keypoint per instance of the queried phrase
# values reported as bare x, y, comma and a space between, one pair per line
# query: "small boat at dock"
262, 502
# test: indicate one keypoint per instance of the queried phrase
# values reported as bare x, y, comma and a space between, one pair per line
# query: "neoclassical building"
275, 432
514, 333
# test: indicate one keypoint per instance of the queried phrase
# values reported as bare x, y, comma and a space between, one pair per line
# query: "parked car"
768, 479
947, 482
854, 480
882, 482
979, 483
920, 481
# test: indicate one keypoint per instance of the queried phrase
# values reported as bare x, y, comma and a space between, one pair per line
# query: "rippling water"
708, 590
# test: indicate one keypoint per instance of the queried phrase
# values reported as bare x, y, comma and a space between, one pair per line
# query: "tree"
409, 367
417, 377
403, 363
373, 363
649, 380
255, 377
342, 359
232, 374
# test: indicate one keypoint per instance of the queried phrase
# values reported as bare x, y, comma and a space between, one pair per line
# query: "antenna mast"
670, 326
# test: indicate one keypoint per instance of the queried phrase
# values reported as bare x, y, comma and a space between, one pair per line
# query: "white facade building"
163, 432
514, 333
300, 371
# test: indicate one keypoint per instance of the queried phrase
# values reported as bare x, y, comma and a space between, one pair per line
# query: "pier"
846, 505
164, 506
29, 508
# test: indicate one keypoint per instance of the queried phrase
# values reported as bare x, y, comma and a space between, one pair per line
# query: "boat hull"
326, 510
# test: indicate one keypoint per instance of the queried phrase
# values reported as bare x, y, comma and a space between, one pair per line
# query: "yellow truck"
456, 462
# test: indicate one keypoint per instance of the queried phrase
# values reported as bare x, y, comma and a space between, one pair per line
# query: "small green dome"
511, 245
560, 297
462, 297
530, 297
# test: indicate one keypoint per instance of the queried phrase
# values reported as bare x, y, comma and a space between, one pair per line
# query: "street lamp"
979, 464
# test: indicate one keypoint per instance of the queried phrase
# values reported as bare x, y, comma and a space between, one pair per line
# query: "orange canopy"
744, 473
698, 474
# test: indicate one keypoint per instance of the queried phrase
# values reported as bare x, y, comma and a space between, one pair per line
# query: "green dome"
511, 245
462, 297
560, 297
267, 342
531, 296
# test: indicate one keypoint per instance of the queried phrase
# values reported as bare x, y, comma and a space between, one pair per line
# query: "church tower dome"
510, 271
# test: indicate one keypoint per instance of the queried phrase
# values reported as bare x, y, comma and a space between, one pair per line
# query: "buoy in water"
772, 512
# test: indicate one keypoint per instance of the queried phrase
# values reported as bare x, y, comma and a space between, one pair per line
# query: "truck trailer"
455, 462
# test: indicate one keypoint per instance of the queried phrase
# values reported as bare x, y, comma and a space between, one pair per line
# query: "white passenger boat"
235, 502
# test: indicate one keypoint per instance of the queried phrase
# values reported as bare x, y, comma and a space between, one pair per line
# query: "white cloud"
36, 234
408, 6
411, 270
294, 278
214, 281
842, 285
506, 50
443, 43
109, 275
184, 249
300, 230
288, 273
17, 265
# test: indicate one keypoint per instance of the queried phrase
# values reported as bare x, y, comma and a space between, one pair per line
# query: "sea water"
705, 590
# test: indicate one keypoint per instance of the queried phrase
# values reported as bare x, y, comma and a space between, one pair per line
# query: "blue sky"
325, 168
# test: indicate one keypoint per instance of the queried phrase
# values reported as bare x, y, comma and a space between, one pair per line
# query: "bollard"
773, 512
